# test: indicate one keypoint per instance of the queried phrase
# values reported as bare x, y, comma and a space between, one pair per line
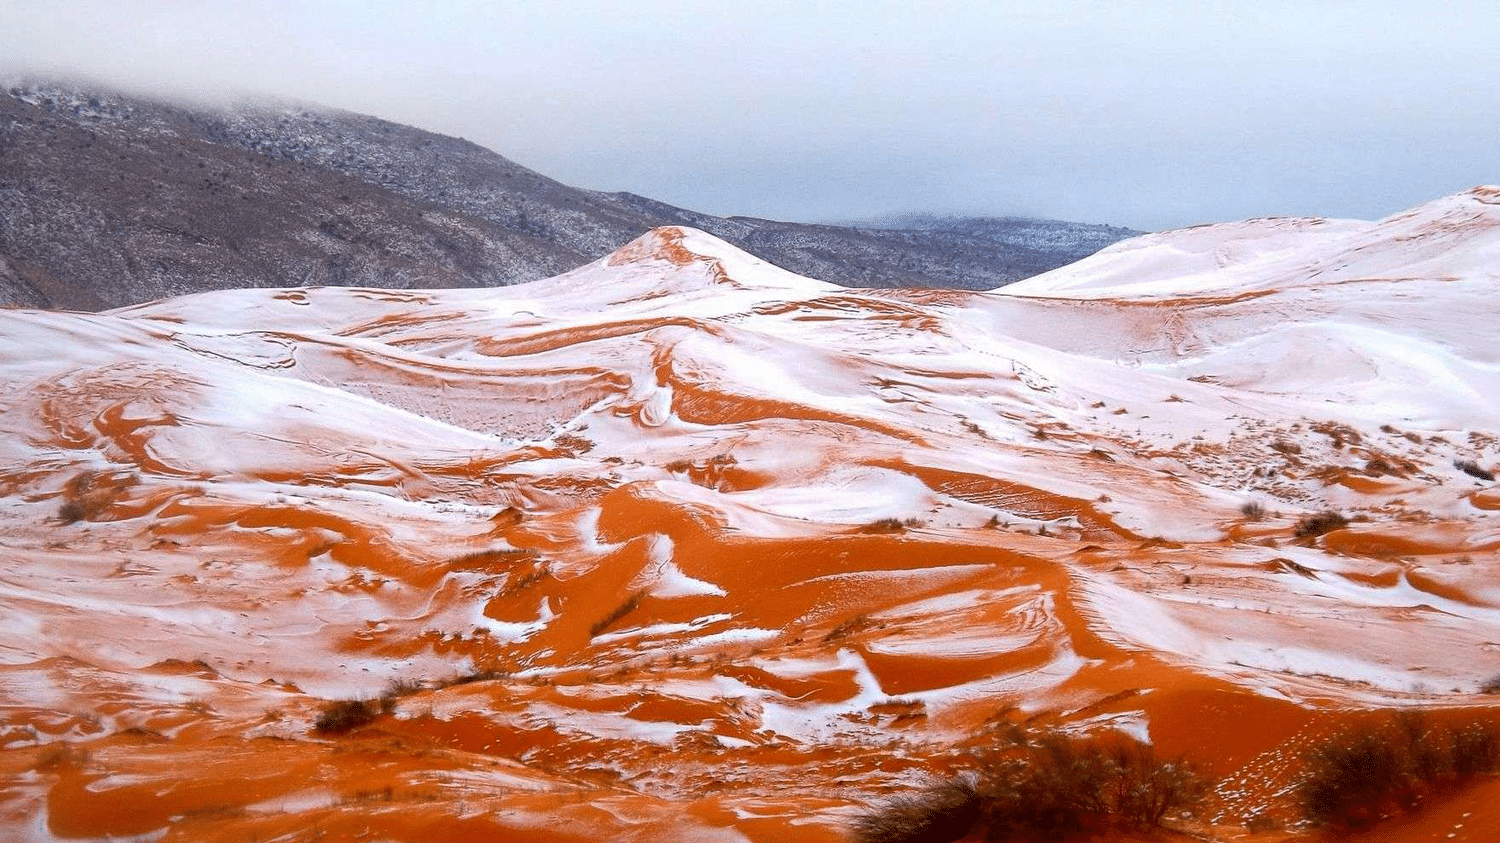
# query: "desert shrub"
1472, 469
1490, 685
890, 525
82, 499
1374, 770
936, 815
1148, 789
397, 689
616, 614
480, 675
59, 756
1351, 781
339, 716
1253, 511
1053, 788
1323, 522
847, 628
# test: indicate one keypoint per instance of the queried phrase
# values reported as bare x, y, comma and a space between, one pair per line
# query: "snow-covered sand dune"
700, 519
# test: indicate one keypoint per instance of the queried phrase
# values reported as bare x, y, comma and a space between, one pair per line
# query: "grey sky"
1149, 114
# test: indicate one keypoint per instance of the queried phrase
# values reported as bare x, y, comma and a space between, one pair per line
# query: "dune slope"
682, 546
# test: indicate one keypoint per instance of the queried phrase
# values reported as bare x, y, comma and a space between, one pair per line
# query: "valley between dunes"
722, 553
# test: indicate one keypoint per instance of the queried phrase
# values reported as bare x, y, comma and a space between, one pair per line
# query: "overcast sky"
1147, 114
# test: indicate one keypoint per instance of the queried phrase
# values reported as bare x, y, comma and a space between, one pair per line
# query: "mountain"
681, 546
1071, 240
109, 199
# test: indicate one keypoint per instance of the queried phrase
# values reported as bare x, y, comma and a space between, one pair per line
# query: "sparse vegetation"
1375, 770
847, 628
890, 525
1323, 522
616, 614
88, 494
399, 688
59, 756
338, 717
1054, 788
494, 559
1253, 511
943, 813
1490, 685
481, 675
1473, 469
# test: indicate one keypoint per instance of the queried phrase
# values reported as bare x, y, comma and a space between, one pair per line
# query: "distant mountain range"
108, 199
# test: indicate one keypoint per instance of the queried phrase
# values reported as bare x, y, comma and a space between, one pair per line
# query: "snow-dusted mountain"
1072, 240
108, 199
681, 546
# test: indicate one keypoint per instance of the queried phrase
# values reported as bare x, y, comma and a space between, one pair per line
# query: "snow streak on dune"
681, 546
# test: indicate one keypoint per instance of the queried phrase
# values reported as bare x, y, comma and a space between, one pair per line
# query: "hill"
108, 199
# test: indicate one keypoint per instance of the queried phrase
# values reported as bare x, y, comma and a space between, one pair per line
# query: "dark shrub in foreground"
936, 815
1054, 788
1375, 770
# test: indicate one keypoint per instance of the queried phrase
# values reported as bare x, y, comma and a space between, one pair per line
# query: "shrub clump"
337, 717
891, 525
1376, 770
1253, 511
939, 814
616, 614
1473, 469
89, 494
1054, 788
480, 675
340, 716
1323, 522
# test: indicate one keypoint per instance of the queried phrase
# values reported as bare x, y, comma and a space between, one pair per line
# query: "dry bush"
1491, 685
1472, 469
616, 614
397, 689
936, 815
1374, 770
1053, 788
493, 559
847, 628
59, 756
1253, 511
890, 525
87, 495
340, 716
1323, 522
481, 675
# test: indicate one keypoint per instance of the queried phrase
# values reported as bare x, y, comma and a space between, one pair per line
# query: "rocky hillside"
108, 200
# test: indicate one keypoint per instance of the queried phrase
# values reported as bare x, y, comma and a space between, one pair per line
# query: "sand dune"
726, 551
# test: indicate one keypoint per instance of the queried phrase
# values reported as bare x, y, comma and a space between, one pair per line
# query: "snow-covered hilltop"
680, 545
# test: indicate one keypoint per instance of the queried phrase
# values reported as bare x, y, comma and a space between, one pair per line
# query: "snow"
308, 479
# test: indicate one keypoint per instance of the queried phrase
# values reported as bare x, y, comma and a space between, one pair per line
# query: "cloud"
1145, 114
